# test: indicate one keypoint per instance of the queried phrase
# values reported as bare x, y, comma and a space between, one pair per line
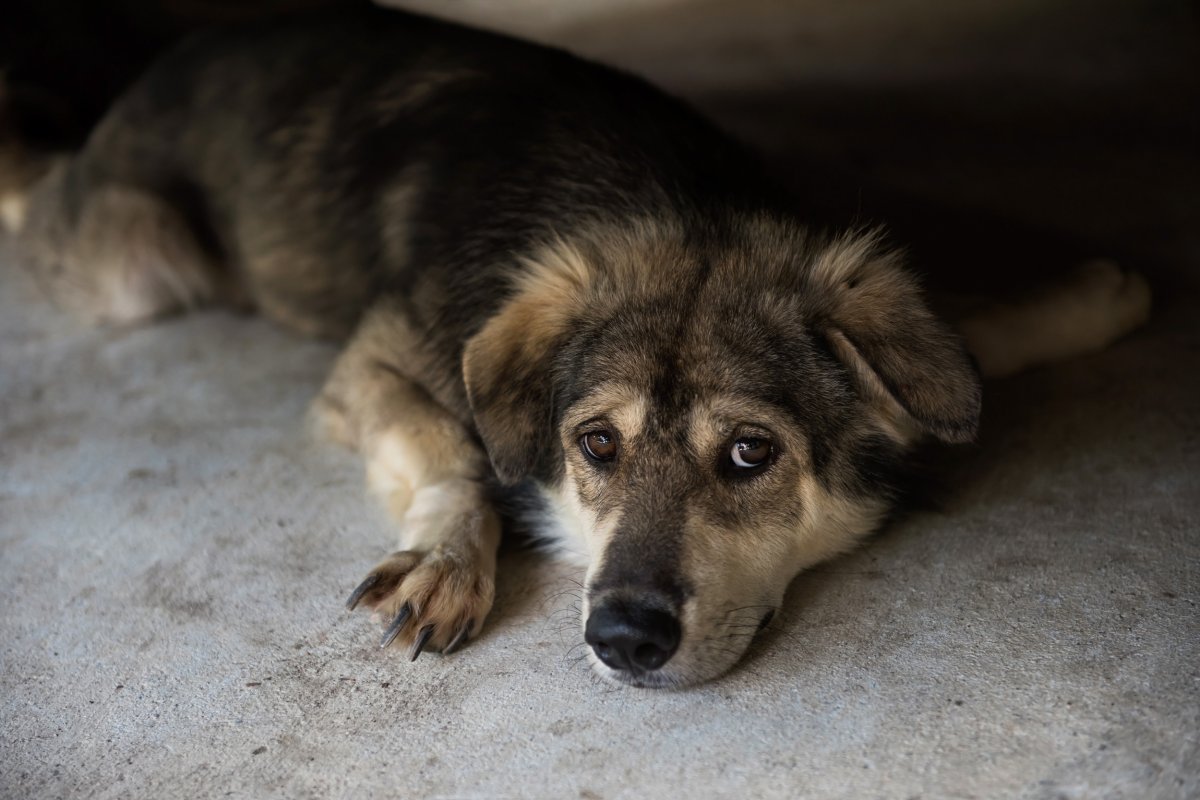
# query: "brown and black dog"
547, 273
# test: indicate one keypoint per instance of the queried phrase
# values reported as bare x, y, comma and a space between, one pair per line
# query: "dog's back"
311, 165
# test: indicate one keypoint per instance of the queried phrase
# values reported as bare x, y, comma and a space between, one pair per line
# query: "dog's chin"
659, 679
684, 674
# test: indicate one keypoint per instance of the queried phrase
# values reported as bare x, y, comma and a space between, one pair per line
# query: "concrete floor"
174, 551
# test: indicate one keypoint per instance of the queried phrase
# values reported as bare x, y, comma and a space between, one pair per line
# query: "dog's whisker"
559, 614
575, 647
565, 592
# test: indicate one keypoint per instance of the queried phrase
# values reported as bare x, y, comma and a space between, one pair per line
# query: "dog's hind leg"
424, 463
115, 254
1095, 306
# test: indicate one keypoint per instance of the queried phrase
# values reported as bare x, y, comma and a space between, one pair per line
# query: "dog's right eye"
749, 454
600, 446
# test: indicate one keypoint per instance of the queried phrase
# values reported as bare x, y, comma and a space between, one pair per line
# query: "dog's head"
710, 414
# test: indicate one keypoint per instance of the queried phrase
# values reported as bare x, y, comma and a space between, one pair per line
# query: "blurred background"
991, 135
1013, 131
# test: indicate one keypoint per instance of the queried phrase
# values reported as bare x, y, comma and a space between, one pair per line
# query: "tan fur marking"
714, 420
891, 417
548, 293
833, 524
13, 207
621, 404
551, 289
369, 403
603, 265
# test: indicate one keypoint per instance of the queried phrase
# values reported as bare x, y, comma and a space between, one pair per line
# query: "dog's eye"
599, 445
750, 453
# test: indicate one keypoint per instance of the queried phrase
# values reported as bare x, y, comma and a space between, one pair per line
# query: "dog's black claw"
422, 640
459, 638
357, 595
394, 629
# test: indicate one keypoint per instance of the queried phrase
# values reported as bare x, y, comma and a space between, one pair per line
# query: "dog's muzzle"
632, 638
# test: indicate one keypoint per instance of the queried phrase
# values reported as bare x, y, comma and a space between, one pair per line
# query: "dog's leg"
1095, 306
128, 256
424, 463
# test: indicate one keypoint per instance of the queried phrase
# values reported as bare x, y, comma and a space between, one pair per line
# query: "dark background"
1000, 140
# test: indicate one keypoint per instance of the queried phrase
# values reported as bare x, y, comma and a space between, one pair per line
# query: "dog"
546, 274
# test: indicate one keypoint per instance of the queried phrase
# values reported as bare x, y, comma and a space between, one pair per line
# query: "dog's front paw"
432, 600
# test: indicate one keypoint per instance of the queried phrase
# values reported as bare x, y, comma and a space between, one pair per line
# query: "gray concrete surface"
174, 551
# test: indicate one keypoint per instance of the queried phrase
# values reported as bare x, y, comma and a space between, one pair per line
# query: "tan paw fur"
434, 599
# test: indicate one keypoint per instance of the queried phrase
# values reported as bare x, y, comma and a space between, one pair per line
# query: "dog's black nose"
631, 637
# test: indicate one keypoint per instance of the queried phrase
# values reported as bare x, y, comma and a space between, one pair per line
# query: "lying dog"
547, 273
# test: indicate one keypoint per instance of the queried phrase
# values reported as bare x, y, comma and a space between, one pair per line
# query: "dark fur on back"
499, 143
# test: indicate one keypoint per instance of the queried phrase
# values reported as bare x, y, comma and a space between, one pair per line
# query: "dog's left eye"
599, 445
749, 453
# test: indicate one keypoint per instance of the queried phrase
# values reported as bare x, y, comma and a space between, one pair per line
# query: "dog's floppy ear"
508, 367
871, 312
